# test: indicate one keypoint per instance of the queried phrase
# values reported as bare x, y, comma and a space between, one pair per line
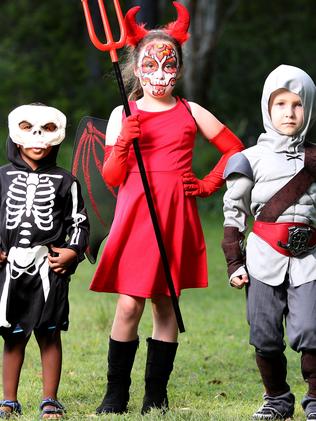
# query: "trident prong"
110, 45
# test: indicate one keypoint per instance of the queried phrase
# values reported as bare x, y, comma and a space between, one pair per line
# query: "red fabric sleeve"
114, 165
228, 144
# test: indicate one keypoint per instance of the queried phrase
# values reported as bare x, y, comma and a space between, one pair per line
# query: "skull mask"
36, 126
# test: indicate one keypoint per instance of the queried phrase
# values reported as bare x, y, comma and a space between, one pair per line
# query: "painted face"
158, 68
286, 111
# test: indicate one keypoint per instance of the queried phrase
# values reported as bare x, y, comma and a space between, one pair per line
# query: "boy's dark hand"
3, 257
60, 259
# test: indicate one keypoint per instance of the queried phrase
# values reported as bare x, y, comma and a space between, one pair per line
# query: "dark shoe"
15, 408
159, 365
276, 408
309, 406
120, 362
279, 407
267, 412
50, 406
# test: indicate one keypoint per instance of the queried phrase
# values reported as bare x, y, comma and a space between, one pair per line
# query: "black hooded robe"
38, 209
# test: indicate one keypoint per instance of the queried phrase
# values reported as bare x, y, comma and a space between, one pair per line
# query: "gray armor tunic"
256, 174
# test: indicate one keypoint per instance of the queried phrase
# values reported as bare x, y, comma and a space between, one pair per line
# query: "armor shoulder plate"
238, 164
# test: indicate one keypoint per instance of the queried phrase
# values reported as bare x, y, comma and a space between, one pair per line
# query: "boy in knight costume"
274, 182
44, 233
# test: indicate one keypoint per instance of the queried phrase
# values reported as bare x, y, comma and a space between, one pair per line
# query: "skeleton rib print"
30, 194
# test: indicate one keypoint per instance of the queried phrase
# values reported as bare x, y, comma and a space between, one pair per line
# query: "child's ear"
136, 72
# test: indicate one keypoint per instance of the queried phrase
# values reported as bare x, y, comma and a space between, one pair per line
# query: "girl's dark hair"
131, 82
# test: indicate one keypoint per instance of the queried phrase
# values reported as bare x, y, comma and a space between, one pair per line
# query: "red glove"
115, 167
228, 144
193, 186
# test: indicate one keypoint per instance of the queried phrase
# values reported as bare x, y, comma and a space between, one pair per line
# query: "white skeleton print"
34, 194
20, 261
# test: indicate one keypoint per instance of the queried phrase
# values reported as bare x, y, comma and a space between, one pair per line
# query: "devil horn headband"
177, 29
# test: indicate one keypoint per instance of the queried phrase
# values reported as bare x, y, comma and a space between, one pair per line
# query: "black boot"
120, 362
159, 365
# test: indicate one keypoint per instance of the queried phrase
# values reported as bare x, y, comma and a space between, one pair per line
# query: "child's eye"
50, 127
149, 66
25, 125
170, 66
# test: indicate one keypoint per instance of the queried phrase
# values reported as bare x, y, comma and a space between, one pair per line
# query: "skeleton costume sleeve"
76, 221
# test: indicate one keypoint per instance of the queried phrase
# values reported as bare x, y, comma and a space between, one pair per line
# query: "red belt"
288, 238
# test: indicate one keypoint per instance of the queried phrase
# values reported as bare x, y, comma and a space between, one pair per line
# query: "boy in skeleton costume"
274, 182
44, 231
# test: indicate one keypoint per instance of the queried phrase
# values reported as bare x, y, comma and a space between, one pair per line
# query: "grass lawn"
215, 376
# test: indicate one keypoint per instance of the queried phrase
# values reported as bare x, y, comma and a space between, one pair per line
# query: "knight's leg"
308, 366
301, 330
266, 307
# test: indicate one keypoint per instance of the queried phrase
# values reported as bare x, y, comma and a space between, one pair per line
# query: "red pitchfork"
111, 46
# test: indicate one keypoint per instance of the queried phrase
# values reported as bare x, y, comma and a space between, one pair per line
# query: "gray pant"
268, 307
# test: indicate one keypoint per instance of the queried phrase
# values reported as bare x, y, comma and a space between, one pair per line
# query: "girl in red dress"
166, 127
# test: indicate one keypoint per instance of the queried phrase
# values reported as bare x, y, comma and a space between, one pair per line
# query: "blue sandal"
15, 407
58, 408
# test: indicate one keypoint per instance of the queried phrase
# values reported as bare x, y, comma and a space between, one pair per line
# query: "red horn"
135, 32
179, 28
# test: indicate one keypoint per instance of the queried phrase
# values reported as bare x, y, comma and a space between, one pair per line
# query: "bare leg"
165, 327
13, 357
129, 310
51, 356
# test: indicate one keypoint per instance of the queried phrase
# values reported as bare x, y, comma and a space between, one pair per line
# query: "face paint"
158, 68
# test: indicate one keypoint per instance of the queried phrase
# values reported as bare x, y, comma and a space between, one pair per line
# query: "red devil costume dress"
131, 263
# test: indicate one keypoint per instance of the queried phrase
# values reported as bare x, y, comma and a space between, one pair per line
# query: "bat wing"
100, 199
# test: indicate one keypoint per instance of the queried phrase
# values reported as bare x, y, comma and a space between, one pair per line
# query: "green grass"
215, 375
